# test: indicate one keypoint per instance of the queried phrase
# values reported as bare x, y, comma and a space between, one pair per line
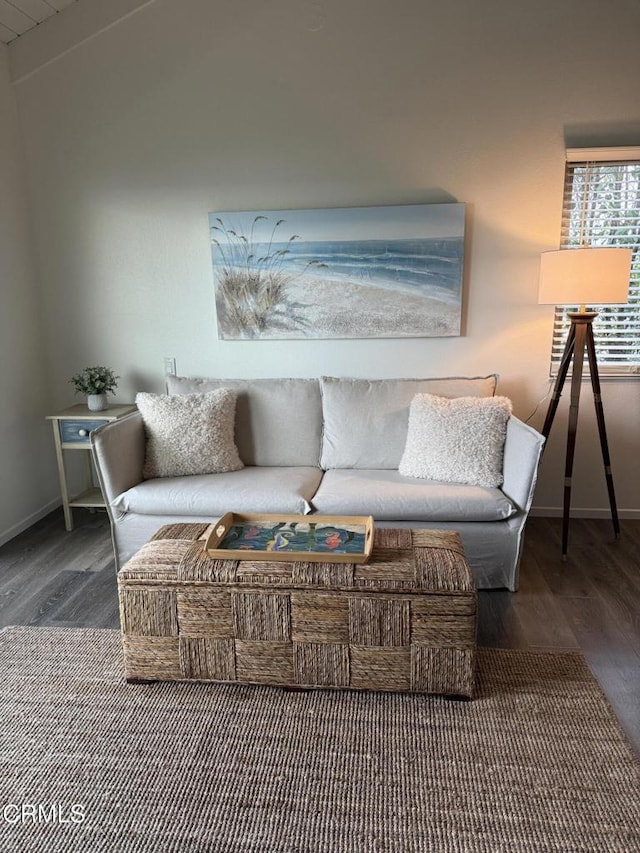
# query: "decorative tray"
292, 538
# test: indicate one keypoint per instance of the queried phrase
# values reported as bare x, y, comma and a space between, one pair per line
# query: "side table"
71, 428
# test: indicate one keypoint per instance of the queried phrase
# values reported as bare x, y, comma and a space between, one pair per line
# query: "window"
601, 207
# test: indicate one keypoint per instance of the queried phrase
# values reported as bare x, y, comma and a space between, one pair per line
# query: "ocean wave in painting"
422, 267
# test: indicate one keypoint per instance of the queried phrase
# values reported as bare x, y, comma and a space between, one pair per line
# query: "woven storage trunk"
404, 621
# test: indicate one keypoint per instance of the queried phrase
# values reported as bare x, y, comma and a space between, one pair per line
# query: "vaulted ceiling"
36, 32
19, 16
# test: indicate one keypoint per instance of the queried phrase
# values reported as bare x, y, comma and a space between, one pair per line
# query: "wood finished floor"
591, 603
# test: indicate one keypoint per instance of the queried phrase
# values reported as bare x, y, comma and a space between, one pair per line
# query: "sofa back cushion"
366, 421
278, 421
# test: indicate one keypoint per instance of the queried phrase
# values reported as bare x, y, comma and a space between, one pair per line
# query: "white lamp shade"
593, 276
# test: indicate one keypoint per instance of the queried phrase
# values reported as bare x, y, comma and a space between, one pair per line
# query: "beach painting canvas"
367, 272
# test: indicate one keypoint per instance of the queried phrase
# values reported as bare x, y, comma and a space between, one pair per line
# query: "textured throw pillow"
458, 440
189, 435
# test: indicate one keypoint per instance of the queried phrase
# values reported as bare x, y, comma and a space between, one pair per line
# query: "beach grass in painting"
253, 277
343, 273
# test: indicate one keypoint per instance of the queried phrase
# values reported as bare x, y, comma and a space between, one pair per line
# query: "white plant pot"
97, 402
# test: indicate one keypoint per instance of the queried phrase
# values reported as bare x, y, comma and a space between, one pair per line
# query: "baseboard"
27, 522
556, 512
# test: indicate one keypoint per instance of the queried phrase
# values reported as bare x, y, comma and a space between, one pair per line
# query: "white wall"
27, 468
192, 106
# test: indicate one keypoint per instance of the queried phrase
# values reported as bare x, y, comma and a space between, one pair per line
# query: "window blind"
601, 207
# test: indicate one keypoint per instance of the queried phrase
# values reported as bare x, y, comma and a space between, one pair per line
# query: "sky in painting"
352, 223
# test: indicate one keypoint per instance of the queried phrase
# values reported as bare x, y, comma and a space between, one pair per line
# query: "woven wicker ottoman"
404, 621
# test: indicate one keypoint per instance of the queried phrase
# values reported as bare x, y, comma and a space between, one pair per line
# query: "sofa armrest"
118, 452
522, 451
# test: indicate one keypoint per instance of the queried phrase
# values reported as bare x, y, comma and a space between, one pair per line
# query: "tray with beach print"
292, 538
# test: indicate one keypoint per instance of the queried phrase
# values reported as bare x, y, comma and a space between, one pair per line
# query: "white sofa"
332, 446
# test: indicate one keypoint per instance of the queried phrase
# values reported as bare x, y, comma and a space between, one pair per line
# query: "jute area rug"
89, 763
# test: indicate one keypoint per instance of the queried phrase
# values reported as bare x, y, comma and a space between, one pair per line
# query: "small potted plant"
96, 383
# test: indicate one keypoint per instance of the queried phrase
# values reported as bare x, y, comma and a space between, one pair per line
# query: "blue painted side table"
71, 428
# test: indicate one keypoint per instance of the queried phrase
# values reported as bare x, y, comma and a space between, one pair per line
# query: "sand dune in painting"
315, 307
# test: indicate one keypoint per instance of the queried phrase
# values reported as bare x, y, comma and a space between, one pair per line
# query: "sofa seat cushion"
387, 495
251, 489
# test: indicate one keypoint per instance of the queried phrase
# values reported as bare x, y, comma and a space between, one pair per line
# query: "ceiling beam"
66, 31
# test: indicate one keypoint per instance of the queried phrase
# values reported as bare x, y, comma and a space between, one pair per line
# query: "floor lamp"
584, 276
